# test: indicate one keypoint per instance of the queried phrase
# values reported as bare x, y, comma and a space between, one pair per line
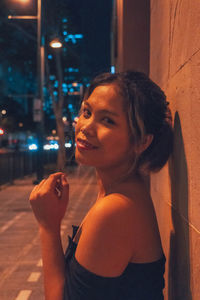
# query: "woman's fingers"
49, 200
53, 179
55, 184
65, 187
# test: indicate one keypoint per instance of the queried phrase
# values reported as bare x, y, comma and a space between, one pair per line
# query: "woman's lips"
84, 145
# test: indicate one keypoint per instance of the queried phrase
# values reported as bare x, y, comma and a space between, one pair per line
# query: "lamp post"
38, 102
40, 95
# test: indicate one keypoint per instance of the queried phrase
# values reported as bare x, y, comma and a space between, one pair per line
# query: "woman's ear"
143, 145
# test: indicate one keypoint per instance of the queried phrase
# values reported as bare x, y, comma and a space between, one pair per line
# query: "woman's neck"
110, 179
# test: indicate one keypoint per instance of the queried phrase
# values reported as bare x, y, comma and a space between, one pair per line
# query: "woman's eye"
86, 113
108, 121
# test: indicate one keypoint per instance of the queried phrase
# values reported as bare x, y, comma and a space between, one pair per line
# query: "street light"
40, 70
3, 112
23, 1
55, 43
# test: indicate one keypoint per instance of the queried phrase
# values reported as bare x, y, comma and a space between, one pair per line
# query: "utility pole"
38, 102
40, 95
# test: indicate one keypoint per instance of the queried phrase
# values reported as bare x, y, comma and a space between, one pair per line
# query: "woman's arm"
49, 206
53, 264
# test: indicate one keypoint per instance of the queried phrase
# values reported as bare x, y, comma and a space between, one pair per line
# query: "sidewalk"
20, 260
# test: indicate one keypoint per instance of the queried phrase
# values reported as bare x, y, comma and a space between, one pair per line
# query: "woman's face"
102, 132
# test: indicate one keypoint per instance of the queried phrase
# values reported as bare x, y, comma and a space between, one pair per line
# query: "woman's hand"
49, 201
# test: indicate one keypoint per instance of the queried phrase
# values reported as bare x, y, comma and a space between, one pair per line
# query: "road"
20, 259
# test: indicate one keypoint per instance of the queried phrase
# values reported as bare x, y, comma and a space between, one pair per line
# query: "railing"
17, 164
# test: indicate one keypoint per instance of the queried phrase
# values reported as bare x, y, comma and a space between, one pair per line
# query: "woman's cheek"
77, 127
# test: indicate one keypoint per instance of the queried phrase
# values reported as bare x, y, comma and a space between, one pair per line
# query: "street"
20, 259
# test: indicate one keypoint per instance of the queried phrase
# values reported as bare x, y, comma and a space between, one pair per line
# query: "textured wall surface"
175, 66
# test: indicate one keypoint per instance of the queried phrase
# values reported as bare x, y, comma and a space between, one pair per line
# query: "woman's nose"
88, 128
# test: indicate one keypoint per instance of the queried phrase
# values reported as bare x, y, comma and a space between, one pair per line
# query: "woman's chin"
80, 159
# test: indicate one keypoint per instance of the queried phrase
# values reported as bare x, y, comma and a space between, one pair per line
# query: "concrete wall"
175, 66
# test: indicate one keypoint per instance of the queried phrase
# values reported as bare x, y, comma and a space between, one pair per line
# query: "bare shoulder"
105, 247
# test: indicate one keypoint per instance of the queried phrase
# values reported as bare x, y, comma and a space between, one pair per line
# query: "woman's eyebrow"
102, 110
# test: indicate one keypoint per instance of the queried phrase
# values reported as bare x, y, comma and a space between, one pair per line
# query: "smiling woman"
103, 125
124, 130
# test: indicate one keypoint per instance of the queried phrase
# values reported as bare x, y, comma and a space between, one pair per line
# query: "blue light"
55, 93
78, 36
70, 70
112, 69
52, 77
50, 56
64, 20
70, 106
56, 84
64, 32
66, 39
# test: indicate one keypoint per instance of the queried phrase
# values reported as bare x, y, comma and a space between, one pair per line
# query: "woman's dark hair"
148, 113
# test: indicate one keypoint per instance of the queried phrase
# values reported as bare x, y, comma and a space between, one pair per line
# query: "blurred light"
23, 1
112, 69
51, 146
76, 119
74, 84
64, 32
1, 131
33, 147
47, 147
52, 77
21, 124
56, 84
53, 131
50, 56
56, 44
64, 119
3, 112
78, 36
68, 145
64, 20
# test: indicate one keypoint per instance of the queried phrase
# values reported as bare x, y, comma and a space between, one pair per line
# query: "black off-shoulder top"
139, 281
